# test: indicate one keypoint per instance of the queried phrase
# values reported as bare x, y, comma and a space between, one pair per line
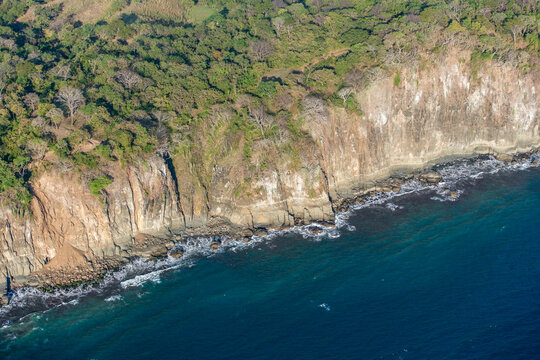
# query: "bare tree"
57, 24
454, 9
128, 78
355, 79
7, 44
259, 116
63, 72
64, 165
73, 99
280, 4
162, 117
278, 23
220, 115
319, 19
284, 100
31, 100
345, 93
162, 132
162, 136
39, 122
34, 55
519, 26
260, 50
37, 149
315, 109
2, 87
528, 5
5, 69
375, 74
55, 116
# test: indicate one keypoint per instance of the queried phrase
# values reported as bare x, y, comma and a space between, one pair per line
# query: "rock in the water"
159, 252
176, 253
215, 244
451, 193
315, 230
431, 177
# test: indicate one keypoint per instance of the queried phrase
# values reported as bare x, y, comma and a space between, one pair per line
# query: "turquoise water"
417, 279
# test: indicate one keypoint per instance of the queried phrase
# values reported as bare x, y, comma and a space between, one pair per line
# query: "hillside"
87, 83
122, 123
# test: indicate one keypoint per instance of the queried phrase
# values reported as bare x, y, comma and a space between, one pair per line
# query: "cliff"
438, 109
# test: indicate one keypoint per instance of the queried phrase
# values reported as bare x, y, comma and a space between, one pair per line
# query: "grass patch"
397, 79
199, 13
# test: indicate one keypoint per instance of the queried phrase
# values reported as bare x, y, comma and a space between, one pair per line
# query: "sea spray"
136, 273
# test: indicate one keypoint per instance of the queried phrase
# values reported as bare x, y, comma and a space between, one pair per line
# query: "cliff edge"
409, 119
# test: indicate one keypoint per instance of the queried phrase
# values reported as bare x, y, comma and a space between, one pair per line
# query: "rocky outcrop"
438, 110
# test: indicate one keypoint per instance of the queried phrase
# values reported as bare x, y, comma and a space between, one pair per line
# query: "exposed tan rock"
176, 253
67, 257
506, 158
431, 177
439, 111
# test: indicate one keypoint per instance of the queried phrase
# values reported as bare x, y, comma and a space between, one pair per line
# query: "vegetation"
117, 81
99, 184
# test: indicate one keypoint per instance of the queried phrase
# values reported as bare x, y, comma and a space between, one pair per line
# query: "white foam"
141, 271
325, 306
114, 298
393, 207
140, 280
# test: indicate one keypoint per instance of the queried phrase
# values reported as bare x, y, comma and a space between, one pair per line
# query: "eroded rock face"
438, 110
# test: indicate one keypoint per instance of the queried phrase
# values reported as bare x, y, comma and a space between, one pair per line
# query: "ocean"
424, 274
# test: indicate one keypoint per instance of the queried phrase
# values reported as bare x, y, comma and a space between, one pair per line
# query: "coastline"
160, 249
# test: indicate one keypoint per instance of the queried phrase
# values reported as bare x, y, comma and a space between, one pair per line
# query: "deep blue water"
431, 280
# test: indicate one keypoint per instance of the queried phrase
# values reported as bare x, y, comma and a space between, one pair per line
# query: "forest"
114, 81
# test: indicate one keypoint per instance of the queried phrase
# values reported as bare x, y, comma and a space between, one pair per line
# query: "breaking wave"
456, 176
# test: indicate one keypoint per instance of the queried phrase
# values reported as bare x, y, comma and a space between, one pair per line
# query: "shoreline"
174, 246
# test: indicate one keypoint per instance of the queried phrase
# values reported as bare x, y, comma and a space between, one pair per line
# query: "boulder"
504, 158
451, 193
215, 244
315, 230
176, 253
431, 177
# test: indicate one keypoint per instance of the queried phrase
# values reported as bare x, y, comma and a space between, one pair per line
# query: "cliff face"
436, 110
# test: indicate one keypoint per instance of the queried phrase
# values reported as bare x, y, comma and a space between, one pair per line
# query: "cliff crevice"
437, 111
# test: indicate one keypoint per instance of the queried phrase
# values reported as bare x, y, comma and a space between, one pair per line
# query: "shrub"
98, 184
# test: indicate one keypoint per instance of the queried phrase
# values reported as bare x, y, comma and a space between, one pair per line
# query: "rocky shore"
437, 113
71, 268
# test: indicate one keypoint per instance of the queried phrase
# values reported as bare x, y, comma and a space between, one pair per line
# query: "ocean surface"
426, 274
